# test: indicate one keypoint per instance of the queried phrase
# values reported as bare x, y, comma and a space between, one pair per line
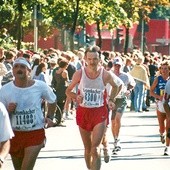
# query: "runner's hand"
79, 99
49, 123
111, 105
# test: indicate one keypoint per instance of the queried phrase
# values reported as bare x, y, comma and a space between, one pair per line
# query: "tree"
138, 11
64, 14
106, 13
160, 12
18, 18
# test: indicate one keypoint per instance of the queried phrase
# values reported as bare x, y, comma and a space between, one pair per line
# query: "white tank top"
92, 90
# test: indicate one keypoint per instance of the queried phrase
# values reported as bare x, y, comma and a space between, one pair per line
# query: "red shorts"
88, 118
24, 139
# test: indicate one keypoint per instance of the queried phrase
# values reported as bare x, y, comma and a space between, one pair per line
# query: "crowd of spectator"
56, 68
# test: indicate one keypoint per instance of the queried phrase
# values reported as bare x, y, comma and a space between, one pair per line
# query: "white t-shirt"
28, 114
6, 132
117, 81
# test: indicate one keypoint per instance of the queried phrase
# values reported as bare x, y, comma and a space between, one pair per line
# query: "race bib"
24, 120
92, 97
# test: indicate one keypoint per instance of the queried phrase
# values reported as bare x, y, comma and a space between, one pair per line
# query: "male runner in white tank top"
92, 112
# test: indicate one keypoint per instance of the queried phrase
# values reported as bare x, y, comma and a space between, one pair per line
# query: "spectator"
9, 58
49, 71
35, 64
60, 82
139, 73
153, 68
3, 69
40, 72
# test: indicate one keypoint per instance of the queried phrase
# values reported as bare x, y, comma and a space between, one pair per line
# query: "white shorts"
160, 106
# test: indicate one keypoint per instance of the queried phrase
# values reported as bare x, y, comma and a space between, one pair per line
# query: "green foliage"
67, 14
160, 12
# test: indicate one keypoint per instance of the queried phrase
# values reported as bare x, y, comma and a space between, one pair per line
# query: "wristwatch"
1, 160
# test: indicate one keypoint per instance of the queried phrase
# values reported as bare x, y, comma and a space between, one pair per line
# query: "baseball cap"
118, 60
53, 61
22, 60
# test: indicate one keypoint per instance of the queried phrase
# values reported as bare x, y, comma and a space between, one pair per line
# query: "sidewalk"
140, 142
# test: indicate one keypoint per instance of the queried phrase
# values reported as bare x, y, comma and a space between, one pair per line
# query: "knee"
88, 150
95, 151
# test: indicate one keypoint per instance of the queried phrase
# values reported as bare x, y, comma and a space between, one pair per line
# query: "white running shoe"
166, 151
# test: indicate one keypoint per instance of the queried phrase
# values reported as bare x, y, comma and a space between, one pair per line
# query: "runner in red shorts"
22, 98
92, 112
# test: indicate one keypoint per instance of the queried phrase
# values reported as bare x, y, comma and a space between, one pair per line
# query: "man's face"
20, 71
92, 58
117, 67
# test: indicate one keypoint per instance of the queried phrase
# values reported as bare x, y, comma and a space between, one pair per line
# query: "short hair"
26, 55
93, 49
165, 62
62, 63
9, 55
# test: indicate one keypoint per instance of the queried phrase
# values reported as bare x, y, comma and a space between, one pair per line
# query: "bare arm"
166, 105
75, 80
3, 69
50, 115
115, 88
51, 109
152, 90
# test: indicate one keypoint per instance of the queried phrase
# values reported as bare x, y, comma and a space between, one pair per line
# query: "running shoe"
166, 151
116, 146
106, 155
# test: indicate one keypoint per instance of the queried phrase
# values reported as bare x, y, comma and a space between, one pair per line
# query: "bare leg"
86, 138
161, 120
92, 141
105, 147
97, 136
116, 124
17, 162
30, 156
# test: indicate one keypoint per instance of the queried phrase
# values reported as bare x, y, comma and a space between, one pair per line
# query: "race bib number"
24, 120
92, 97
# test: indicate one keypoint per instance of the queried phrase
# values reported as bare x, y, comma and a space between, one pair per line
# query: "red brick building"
157, 37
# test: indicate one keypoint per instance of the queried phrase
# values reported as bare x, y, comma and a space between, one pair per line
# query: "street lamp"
35, 29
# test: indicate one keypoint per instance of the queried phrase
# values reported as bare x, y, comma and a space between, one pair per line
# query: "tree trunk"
126, 41
19, 26
99, 34
74, 25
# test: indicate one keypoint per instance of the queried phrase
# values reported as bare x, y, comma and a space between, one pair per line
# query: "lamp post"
142, 35
35, 29
112, 39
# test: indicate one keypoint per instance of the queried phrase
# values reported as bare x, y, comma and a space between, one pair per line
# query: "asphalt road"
140, 142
